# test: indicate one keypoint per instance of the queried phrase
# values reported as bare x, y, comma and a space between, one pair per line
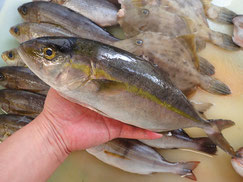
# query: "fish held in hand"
47, 12
178, 57
12, 58
10, 123
21, 102
21, 78
117, 84
238, 30
179, 139
27, 31
135, 157
237, 162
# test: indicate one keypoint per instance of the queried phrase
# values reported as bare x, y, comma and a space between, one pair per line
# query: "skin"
53, 135
46, 12
133, 12
238, 30
135, 157
10, 123
21, 78
180, 139
176, 56
21, 102
105, 79
12, 58
237, 162
27, 31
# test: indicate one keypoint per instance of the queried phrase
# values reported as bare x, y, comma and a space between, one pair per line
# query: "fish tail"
223, 40
187, 170
205, 67
213, 131
220, 14
214, 86
206, 145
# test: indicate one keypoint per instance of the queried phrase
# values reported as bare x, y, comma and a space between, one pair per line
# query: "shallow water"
81, 167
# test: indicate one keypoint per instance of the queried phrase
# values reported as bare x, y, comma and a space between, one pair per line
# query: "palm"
82, 128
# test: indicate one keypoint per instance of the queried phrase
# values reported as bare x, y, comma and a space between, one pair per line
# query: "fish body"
10, 123
135, 157
238, 30
237, 162
116, 83
27, 31
179, 139
21, 102
21, 78
11, 58
176, 56
47, 12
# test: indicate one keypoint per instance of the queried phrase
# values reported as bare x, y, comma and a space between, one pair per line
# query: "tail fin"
214, 86
206, 145
223, 40
187, 170
214, 133
205, 67
220, 14
222, 124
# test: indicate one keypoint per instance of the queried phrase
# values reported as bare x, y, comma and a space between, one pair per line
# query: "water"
81, 167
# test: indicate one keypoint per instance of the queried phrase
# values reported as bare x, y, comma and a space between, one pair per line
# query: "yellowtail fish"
12, 58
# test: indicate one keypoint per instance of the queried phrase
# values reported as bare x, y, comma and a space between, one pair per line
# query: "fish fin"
206, 145
179, 133
201, 107
214, 133
223, 40
200, 44
214, 86
191, 42
222, 124
187, 170
205, 67
220, 14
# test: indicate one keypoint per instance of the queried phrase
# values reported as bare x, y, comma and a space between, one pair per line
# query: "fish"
10, 123
21, 102
12, 58
47, 12
102, 12
21, 78
179, 139
238, 30
135, 157
27, 31
237, 162
216, 13
176, 56
117, 84
190, 16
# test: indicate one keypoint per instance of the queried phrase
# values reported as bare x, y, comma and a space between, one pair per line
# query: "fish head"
20, 32
30, 11
11, 57
52, 59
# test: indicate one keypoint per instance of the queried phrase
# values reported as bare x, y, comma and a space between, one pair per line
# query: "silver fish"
12, 58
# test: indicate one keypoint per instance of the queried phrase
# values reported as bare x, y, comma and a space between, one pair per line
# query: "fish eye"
11, 55
49, 53
16, 30
1, 77
145, 12
139, 42
23, 10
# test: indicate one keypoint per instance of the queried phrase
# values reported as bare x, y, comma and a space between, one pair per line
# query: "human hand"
78, 128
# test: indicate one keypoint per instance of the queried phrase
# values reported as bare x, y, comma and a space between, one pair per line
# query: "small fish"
10, 123
177, 57
178, 139
21, 102
21, 78
238, 30
216, 13
47, 12
117, 84
102, 12
191, 12
135, 157
12, 58
237, 162
27, 31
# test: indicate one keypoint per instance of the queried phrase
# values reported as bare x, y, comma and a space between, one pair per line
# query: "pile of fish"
143, 80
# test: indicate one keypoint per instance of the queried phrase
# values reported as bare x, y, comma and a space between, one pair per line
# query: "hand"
78, 128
